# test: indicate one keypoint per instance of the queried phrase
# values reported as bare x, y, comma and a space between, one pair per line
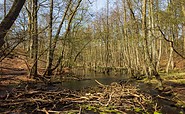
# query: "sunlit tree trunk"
144, 35
151, 32
159, 53
174, 32
66, 33
183, 24
52, 45
49, 57
158, 41
30, 24
149, 63
132, 39
127, 38
107, 40
170, 59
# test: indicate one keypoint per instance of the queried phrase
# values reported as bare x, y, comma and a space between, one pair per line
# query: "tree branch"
172, 43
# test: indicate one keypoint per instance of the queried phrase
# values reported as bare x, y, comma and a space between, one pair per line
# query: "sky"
99, 4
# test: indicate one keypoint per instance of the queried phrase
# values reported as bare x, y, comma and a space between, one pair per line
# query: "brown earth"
15, 71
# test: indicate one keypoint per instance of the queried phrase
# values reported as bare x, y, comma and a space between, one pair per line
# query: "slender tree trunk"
50, 58
170, 58
66, 33
133, 43
4, 8
144, 35
151, 32
30, 39
55, 40
183, 24
35, 39
183, 35
126, 37
159, 43
107, 39
149, 63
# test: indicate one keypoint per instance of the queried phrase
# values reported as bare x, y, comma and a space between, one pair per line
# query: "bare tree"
4, 8
35, 38
55, 40
9, 19
50, 55
150, 67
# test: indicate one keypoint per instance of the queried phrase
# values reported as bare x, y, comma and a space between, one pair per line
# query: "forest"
92, 56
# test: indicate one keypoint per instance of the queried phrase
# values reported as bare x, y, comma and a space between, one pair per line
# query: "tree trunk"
67, 33
6, 45
159, 51
50, 58
183, 24
4, 8
158, 41
55, 40
35, 39
149, 63
170, 58
144, 35
30, 40
9, 19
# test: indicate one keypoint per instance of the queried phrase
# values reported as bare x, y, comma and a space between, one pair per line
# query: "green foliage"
181, 112
71, 112
101, 109
92, 108
137, 109
12, 107
157, 113
140, 111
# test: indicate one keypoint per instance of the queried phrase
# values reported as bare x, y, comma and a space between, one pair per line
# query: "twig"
45, 111
80, 110
141, 104
155, 107
99, 83
54, 112
109, 99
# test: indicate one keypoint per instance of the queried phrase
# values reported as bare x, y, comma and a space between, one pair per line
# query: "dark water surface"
167, 106
89, 81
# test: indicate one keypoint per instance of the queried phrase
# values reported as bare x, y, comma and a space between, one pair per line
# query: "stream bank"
127, 97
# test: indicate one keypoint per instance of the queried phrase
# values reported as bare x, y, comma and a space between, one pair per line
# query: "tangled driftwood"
122, 97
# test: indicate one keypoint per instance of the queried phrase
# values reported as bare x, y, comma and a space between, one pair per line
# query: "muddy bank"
113, 98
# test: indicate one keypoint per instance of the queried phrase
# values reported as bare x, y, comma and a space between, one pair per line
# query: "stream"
161, 98
167, 104
89, 81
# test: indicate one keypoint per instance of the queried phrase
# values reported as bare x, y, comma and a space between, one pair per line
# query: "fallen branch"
99, 83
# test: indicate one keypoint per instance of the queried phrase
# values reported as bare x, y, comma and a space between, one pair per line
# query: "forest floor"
19, 94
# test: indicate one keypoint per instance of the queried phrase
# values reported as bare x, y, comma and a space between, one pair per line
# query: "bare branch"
172, 43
